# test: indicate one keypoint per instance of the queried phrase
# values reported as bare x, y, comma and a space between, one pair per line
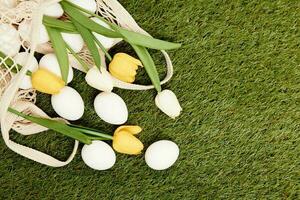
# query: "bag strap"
9, 95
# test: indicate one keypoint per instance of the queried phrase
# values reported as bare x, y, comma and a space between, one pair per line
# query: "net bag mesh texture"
12, 13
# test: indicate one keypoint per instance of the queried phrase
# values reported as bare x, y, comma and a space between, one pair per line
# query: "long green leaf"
64, 26
130, 36
88, 38
91, 131
87, 22
102, 48
55, 125
60, 50
149, 65
144, 40
83, 64
10, 63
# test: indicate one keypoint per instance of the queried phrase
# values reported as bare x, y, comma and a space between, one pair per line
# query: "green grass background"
237, 77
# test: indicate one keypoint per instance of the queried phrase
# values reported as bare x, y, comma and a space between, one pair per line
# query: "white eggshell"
105, 41
111, 108
89, 5
75, 41
50, 62
26, 83
68, 104
10, 42
161, 154
25, 32
100, 80
54, 10
21, 59
98, 155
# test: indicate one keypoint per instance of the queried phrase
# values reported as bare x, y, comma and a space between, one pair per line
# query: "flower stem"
102, 48
82, 134
84, 64
55, 125
91, 131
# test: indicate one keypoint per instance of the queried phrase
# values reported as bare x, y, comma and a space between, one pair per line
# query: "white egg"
89, 5
161, 154
98, 155
54, 10
25, 32
50, 62
21, 59
75, 41
111, 108
100, 80
68, 104
25, 83
10, 42
105, 41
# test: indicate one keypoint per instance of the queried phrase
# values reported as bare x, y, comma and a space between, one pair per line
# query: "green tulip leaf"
92, 132
83, 64
145, 41
87, 22
149, 65
64, 26
60, 50
88, 38
55, 126
102, 48
127, 35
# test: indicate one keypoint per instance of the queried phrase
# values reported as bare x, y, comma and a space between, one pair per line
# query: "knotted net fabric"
13, 12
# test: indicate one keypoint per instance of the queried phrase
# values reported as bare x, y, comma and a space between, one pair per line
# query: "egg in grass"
162, 154
98, 155
68, 104
111, 108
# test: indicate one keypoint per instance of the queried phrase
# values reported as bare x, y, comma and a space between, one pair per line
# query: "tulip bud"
125, 142
47, 82
99, 80
124, 67
167, 102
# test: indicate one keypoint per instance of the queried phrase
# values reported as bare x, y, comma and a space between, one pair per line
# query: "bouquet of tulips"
72, 34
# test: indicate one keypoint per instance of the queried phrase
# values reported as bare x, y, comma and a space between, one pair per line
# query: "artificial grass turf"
237, 77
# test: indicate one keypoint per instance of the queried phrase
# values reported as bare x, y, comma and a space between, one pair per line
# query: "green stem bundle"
82, 24
82, 134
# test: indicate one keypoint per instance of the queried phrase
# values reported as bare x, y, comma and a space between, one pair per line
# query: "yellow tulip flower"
47, 82
125, 142
124, 66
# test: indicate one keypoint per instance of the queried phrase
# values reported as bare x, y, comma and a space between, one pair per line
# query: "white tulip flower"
167, 102
99, 80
